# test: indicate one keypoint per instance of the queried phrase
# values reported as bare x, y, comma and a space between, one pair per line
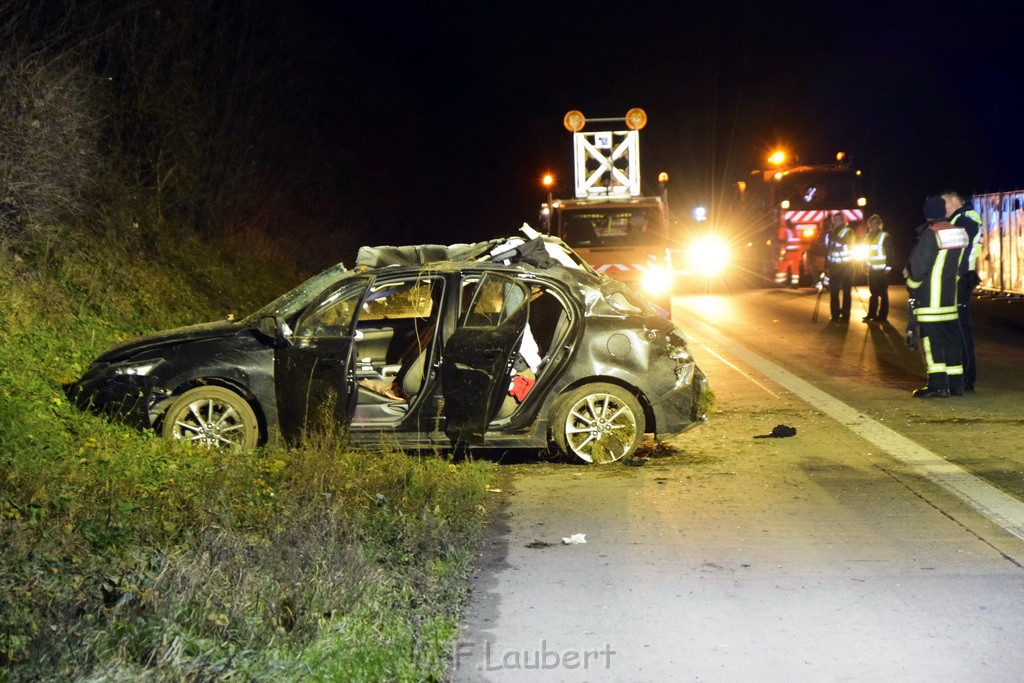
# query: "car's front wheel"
598, 423
214, 417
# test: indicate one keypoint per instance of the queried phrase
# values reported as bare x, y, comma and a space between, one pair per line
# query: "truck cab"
620, 232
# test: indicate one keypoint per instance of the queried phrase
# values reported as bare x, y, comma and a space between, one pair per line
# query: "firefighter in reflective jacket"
963, 215
931, 285
839, 267
789, 258
879, 266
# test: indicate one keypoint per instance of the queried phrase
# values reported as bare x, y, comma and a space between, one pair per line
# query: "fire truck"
616, 228
800, 201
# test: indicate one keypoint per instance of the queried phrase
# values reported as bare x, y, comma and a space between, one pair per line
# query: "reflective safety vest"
935, 261
792, 239
975, 247
839, 249
877, 258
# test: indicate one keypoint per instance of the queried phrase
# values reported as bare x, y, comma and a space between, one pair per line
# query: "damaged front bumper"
120, 391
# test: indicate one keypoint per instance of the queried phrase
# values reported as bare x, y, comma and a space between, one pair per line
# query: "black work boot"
932, 392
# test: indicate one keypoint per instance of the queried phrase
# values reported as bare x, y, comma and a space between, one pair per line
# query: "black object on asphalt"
778, 432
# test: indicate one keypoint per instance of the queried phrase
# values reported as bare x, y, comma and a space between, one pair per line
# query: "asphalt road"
882, 542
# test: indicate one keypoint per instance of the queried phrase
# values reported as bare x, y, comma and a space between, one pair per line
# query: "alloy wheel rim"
211, 424
600, 428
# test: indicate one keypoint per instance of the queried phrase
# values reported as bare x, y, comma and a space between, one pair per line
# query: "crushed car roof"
602, 295
536, 249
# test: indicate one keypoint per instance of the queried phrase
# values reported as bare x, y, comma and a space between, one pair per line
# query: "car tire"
214, 417
597, 423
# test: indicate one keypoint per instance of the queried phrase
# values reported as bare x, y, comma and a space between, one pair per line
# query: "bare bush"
50, 125
203, 116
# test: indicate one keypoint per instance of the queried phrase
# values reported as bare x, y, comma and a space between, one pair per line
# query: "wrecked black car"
509, 343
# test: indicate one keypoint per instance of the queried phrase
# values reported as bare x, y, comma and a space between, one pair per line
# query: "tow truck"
613, 226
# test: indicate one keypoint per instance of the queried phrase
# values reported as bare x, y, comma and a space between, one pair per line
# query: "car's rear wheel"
598, 423
214, 417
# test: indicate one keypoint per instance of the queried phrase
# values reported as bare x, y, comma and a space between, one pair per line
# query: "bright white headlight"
709, 255
139, 368
656, 281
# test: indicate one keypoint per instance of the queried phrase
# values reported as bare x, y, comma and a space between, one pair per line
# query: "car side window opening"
546, 324
397, 322
548, 317
398, 300
493, 302
333, 315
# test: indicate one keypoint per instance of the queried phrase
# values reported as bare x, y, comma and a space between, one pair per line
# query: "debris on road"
574, 539
778, 432
651, 448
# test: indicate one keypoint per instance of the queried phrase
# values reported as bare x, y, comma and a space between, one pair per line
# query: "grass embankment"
128, 557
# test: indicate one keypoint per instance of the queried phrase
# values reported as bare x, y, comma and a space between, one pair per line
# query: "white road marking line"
1000, 507
744, 374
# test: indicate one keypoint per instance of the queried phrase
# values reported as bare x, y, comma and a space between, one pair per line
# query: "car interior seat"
414, 363
409, 377
548, 336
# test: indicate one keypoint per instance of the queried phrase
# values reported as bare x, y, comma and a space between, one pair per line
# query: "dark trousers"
963, 296
943, 357
840, 282
878, 297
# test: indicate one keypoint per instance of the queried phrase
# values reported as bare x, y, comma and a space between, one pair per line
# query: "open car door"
314, 371
478, 356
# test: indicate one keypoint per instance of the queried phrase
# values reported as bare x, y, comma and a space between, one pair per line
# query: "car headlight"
684, 373
680, 354
709, 256
138, 368
656, 281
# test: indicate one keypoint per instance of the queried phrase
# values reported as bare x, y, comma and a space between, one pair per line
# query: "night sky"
446, 119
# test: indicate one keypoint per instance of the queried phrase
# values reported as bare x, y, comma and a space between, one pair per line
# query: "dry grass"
128, 557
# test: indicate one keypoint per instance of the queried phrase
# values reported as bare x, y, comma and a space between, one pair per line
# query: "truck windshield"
819, 189
611, 227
